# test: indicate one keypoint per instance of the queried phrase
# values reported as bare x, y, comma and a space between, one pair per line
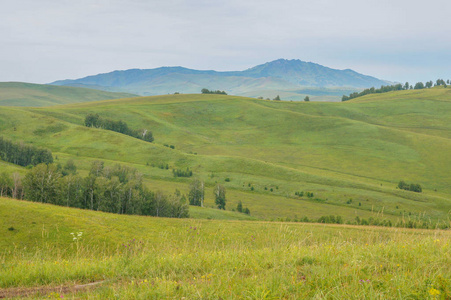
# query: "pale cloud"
48, 40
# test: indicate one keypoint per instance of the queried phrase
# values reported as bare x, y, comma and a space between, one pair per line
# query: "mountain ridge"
279, 76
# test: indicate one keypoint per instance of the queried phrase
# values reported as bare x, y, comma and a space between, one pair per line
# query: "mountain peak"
281, 75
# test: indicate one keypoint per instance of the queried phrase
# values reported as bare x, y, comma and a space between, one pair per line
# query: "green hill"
350, 155
36, 95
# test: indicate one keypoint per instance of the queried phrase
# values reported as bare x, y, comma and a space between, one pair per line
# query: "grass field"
357, 150
134, 257
36, 95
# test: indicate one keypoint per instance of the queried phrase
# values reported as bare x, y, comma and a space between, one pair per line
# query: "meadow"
350, 155
51, 249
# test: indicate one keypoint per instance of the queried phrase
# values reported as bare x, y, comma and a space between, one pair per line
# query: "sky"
397, 40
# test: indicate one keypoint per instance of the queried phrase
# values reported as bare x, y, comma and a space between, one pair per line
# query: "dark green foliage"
196, 193
331, 219
116, 189
277, 98
418, 86
94, 120
410, 187
239, 206
220, 196
227, 179
182, 173
247, 211
207, 91
22, 154
11, 228
307, 99
69, 168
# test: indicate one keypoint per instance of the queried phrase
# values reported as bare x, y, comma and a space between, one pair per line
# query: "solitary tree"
220, 196
307, 99
277, 98
419, 86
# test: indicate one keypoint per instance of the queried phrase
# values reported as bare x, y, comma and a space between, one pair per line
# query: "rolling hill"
36, 95
350, 155
292, 79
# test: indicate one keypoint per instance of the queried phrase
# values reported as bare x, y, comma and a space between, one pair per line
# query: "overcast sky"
398, 40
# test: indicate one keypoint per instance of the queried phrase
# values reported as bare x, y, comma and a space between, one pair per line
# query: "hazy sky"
48, 40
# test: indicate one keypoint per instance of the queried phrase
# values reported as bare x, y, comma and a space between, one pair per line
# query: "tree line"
396, 87
207, 91
23, 154
94, 120
116, 189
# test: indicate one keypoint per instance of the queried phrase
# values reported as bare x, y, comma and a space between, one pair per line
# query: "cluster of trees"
182, 173
115, 189
207, 91
22, 154
245, 210
94, 120
301, 194
414, 187
11, 186
396, 87
196, 194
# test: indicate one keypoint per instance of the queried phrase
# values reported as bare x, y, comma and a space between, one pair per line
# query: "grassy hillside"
37, 95
351, 155
132, 257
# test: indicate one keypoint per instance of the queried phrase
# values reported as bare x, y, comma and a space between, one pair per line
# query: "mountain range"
291, 79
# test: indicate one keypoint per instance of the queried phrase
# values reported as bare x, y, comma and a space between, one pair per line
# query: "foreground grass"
148, 258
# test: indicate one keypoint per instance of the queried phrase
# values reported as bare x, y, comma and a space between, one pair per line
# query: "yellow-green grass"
36, 95
356, 150
150, 258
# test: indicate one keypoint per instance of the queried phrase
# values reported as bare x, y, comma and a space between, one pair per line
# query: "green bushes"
182, 173
413, 187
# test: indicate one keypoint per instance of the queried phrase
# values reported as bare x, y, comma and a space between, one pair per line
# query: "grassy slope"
359, 149
36, 95
151, 258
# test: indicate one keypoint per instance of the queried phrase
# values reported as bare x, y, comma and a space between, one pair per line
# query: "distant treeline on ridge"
94, 120
22, 154
207, 91
396, 87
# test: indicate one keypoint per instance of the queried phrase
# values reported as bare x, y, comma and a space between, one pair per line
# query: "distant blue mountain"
279, 76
